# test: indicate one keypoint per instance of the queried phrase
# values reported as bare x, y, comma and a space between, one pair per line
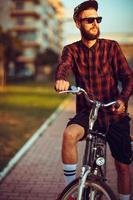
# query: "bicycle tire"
102, 190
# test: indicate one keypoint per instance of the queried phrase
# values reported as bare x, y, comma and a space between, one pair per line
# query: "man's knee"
69, 136
73, 133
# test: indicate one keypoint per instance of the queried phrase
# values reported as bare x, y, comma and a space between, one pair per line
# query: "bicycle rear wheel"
95, 189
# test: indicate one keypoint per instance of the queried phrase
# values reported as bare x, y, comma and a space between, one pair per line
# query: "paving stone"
38, 175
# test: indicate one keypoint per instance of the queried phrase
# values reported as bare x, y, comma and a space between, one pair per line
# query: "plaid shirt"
98, 70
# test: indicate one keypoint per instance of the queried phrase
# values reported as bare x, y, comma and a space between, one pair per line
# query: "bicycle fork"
84, 174
82, 185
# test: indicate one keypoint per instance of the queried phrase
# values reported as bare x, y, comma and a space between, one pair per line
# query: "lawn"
23, 108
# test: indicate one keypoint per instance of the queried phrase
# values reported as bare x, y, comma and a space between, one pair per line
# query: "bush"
45, 63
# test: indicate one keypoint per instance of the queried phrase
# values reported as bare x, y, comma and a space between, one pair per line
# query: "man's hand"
61, 85
121, 107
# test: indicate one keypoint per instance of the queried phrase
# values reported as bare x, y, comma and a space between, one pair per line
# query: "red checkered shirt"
99, 70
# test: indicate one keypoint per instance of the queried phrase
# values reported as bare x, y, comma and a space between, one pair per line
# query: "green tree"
46, 59
10, 48
2, 58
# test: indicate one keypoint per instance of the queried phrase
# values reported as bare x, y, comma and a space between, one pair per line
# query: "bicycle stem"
93, 114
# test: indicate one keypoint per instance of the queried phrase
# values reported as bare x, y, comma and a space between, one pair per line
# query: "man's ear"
77, 22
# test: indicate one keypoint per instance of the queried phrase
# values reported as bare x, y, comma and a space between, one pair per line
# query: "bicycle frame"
91, 164
90, 152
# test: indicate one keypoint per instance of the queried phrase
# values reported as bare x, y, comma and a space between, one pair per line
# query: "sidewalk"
38, 175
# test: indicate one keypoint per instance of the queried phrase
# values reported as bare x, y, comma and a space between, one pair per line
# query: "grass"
23, 108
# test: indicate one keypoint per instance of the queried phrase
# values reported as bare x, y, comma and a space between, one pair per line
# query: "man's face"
89, 31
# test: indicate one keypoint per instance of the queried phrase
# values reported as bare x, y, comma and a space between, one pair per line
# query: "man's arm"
124, 73
63, 69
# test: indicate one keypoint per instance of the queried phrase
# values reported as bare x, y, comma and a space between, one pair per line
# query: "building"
38, 23
56, 19
5, 21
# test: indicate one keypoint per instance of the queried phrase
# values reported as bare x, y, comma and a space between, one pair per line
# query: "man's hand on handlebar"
61, 85
120, 108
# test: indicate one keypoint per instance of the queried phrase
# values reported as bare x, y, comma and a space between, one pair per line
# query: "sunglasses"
91, 20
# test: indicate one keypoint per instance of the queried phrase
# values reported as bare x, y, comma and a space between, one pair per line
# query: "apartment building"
39, 24
5, 21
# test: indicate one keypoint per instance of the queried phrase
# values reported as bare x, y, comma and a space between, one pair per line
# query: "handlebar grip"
72, 87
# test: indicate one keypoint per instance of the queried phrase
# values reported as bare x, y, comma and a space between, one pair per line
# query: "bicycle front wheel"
94, 190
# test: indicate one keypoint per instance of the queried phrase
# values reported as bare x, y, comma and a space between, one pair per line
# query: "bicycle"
91, 185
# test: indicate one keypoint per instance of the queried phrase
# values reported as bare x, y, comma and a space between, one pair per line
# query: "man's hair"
84, 6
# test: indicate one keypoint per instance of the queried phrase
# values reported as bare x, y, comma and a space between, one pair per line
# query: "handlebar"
78, 90
74, 90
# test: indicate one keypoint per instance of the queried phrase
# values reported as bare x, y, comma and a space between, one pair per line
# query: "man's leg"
119, 141
123, 180
72, 134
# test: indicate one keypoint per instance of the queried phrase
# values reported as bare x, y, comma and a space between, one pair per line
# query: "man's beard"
89, 36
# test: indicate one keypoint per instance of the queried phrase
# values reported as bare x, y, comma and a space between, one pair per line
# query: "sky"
117, 16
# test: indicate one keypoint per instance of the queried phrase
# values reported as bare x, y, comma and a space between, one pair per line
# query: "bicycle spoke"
94, 190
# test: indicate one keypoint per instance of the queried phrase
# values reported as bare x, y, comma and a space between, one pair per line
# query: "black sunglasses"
91, 20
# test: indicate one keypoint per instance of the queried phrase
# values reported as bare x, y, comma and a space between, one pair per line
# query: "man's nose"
95, 21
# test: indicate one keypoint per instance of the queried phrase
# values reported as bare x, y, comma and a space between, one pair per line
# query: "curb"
32, 139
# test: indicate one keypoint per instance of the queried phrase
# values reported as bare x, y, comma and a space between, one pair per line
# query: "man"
98, 65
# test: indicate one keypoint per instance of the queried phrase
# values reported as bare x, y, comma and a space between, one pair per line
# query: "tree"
10, 48
2, 73
47, 59
51, 57
2, 58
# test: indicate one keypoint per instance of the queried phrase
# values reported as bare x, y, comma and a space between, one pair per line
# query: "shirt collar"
91, 48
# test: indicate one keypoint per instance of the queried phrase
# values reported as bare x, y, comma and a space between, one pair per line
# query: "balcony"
35, 1
25, 59
25, 13
23, 28
30, 44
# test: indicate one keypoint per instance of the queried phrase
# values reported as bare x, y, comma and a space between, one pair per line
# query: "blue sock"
69, 173
124, 196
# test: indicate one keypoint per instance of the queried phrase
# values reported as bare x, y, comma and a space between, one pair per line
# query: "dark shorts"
117, 134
